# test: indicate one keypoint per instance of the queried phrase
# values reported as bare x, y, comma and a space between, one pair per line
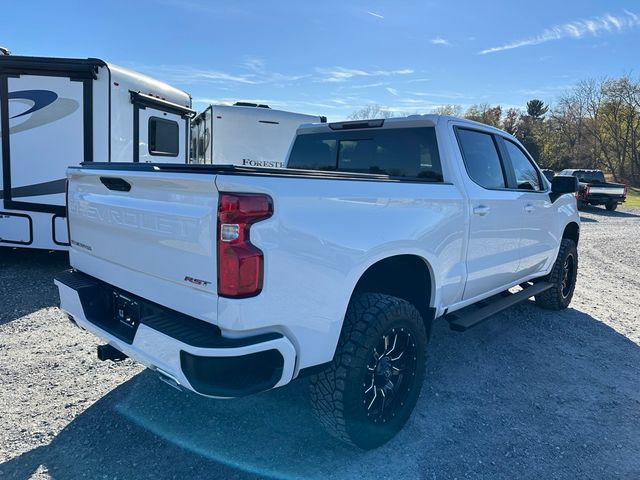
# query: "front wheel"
611, 206
367, 393
563, 277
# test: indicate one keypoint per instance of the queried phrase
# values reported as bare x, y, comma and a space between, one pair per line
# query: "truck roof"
428, 120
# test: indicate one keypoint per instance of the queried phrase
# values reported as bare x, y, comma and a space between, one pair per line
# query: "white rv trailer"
245, 134
57, 112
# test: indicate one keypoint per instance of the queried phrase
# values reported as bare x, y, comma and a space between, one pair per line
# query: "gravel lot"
528, 394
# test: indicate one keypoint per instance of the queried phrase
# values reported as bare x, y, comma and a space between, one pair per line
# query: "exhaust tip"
168, 379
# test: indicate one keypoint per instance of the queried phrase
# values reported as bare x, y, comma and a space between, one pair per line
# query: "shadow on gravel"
530, 394
584, 219
606, 213
26, 280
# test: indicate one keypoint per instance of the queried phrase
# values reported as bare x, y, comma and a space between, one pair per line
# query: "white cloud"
254, 64
392, 91
438, 95
368, 85
440, 41
375, 14
341, 74
577, 29
544, 90
187, 75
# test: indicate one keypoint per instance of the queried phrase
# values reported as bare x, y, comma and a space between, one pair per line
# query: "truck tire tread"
366, 317
553, 298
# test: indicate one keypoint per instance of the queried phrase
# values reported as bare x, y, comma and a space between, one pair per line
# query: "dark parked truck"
595, 190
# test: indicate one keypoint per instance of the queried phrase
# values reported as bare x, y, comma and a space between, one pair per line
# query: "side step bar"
464, 320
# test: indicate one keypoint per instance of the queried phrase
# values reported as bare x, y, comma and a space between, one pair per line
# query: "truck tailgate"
606, 189
155, 232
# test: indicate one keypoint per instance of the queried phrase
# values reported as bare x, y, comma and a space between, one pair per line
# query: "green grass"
633, 198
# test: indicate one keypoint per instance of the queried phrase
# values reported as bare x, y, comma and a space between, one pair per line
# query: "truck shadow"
601, 211
529, 393
26, 280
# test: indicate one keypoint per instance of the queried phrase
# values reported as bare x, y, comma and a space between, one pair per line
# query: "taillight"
582, 192
240, 264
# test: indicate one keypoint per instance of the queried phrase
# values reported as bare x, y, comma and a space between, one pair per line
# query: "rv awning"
61, 67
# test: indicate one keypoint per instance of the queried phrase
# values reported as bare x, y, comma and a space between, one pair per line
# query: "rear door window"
481, 159
397, 152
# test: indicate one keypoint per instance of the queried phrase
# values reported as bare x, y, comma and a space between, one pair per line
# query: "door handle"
529, 208
481, 210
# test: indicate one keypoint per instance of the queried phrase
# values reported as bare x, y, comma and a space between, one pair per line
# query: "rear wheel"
563, 277
367, 393
611, 205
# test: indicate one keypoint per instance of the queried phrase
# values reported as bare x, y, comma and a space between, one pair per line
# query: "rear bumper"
188, 351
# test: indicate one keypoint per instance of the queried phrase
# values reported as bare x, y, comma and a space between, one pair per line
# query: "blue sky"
333, 57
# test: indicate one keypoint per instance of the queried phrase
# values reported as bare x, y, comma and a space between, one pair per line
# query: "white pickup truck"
231, 280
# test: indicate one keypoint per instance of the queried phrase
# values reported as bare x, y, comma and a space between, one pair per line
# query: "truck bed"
212, 169
154, 235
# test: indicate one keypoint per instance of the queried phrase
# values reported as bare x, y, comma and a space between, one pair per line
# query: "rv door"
44, 136
160, 130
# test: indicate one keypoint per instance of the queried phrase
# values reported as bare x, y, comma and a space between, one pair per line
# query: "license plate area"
126, 311
117, 313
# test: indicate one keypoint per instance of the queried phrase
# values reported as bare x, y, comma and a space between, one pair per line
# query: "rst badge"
196, 281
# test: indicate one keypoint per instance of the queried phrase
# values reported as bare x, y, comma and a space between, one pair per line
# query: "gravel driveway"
528, 394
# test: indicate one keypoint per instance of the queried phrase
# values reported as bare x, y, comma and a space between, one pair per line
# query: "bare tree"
372, 111
510, 122
452, 110
485, 113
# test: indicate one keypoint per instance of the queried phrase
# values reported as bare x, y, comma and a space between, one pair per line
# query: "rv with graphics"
57, 112
266, 134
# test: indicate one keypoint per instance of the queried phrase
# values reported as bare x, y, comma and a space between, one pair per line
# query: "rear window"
590, 177
396, 152
163, 137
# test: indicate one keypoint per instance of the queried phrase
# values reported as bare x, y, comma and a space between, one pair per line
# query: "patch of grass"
633, 198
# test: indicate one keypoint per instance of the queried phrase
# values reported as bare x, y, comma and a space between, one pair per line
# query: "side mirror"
562, 184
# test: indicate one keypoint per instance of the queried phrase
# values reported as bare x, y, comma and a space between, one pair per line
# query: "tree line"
595, 124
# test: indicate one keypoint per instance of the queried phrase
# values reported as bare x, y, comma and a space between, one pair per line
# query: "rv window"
163, 137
